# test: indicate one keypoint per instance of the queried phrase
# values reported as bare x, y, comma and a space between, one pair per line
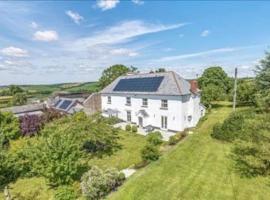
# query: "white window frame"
129, 117
109, 99
164, 104
164, 122
144, 102
128, 101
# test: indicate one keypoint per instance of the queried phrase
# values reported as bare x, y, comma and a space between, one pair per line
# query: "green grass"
199, 168
129, 155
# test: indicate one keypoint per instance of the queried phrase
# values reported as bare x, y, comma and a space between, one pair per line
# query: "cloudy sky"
52, 42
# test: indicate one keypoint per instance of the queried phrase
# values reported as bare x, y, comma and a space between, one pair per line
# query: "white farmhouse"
163, 100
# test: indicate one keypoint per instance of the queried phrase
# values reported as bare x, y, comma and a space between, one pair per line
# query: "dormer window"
144, 102
109, 100
128, 101
164, 104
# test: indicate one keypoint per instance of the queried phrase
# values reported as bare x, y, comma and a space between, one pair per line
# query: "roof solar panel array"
65, 104
145, 84
57, 103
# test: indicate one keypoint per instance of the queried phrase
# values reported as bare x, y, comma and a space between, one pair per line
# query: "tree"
14, 89
19, 99
112, 73
211, 93
9, 125
215, 84
246, 92
263, 82
160, 70
56, 156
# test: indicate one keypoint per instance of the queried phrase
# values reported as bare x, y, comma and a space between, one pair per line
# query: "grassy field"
43, 91
127, 156
199, 168
4, 101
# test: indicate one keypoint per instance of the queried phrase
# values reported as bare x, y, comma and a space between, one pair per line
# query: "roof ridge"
174, 77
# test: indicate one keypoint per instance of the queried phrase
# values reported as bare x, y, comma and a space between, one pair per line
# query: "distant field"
4, 101
43, 91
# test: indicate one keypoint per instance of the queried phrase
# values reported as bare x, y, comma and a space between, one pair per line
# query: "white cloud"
107, 4
123, 32
76, 17
205, 33
138, 2
198, 54
14, 52
46, 36
123, 52
34, 25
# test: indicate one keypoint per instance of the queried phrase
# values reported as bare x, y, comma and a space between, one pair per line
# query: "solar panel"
57, 103
146, 84
65, 104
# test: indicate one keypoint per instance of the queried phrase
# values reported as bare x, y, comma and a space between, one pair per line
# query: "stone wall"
92, 104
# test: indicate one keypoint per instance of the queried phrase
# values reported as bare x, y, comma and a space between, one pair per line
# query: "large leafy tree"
112, 73
263, 83
246, 92
215, 84
56, 156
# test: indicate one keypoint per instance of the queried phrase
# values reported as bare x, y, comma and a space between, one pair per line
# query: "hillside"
199, 168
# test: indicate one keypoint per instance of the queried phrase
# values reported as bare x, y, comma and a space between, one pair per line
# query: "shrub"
96, 183
128, 127
9, 125
134, 129
150, 153
173, 140
30, 124
154, 138
4, 142
65, 193
8, 171
231, 128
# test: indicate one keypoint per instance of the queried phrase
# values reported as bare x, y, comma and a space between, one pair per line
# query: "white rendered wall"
179, 108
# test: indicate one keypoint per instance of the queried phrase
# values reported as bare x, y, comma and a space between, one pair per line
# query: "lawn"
199, 168
127, 156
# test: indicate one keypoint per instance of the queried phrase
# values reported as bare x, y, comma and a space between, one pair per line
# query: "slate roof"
172, 84
25, 108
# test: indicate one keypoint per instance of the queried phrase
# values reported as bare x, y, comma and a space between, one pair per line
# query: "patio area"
165, 134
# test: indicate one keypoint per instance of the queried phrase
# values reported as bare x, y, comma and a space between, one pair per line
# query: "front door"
140, 119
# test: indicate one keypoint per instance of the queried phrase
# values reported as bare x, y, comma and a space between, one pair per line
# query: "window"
109, 100
129, 116
164, 104
128, 101
164, 122
144, 102
189, 118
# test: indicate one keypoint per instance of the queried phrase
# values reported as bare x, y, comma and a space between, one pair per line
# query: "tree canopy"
112, 73
215, 84
263, 83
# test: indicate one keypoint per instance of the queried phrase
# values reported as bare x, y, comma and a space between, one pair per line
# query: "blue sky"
52, 42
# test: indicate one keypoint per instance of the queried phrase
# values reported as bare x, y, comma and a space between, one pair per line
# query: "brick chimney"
194, 86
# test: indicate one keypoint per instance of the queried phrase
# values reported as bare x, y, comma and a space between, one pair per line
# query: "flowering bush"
30, 124
96, 183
